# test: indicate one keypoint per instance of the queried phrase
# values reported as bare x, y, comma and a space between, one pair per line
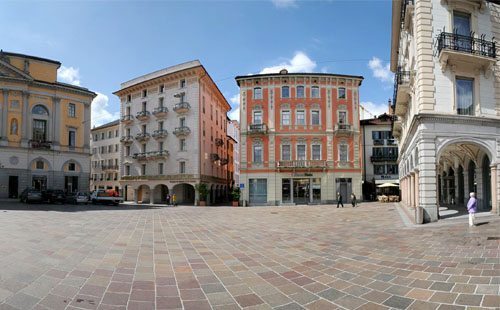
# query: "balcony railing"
159, 134
142, 136
109, 167
182, 131
182, 107
343, 129
219, 142
127, 119
466, 44
160, 111
140, 156
214, 157
378, 142
142, 115
40, 144
127, 139
389, 157
257, 128
301, 164
391, 142
151, 155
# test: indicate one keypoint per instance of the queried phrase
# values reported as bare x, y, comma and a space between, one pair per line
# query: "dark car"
30, 195
78, 197
54, 196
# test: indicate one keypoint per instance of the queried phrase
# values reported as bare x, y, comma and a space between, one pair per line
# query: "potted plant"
236, 196
202, 189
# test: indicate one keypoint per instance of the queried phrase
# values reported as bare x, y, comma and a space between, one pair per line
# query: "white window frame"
289, 152
338, 93
297, 151
281, 91
254, 147
303, 91
312, 151
319, 93
253, 116
340, 152
289, 117
303, 119
319, 118
182, 167
72, 110
254, 93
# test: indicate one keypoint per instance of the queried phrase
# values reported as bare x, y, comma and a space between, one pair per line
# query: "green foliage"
236, 194
202, 189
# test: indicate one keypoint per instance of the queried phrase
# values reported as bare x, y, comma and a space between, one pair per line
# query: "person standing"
168, 199
353, 200
173, 200
472, 209
339, 200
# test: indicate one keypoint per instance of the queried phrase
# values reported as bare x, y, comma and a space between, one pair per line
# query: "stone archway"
184, 193
160, 193
143, 194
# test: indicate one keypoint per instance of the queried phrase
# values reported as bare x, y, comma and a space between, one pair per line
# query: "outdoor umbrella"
388, 185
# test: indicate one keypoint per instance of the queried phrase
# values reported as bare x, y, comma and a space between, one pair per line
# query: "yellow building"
44, 127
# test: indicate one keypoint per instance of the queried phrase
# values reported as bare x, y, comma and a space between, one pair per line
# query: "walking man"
472, 209
353, 200
339, 200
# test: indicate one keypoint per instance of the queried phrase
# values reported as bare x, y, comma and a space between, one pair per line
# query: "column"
417, 187
466, 186
412, 189
427, 178
408, 191
479, 182
494, 189
25, 131
56, 123
3, 117
86, 126
136, 194
456, 185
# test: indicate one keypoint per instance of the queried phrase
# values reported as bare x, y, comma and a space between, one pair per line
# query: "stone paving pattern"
315, 257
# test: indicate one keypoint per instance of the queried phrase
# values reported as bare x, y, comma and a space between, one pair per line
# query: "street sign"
242, 185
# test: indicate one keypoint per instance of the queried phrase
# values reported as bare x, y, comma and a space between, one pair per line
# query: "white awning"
386, 181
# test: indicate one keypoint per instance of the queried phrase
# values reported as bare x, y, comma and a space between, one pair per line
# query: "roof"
377, 120
71, 86
30, 57
241, 77
110, 124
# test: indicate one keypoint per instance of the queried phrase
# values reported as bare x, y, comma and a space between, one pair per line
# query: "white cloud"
299, 63
374, 108
284, 4
100, 113
234, 114
69, 75
379, 70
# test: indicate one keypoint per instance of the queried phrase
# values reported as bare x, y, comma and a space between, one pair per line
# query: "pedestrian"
472, 208
353, 200
339, 200
168, 199
173, 200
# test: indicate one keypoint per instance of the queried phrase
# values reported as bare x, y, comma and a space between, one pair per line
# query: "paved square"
315, 257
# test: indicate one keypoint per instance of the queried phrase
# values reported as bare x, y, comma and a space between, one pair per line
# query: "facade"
300, 137
44, 127
447, 100
233, 131
105, 159
380, 154
174, 136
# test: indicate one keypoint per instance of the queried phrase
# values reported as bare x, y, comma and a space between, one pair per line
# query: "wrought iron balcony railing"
257, 128
301, 164
127, 118
219, 142
182, 107
142, 115
182, 131
160, 111
142, 136
40, 144
161, 133
140, 156
466, 44
387, 157
127, 139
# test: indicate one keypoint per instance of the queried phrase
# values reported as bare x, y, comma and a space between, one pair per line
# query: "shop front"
301, 190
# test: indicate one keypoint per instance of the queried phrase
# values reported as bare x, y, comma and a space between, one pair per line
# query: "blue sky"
102, 44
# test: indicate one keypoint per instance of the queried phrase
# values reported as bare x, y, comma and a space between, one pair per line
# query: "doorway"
71, 184
301, 191
39, 182
13, 186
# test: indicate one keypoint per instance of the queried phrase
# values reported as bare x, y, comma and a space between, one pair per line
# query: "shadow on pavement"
15, 205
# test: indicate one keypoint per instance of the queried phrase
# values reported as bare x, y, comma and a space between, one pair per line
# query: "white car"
79, 197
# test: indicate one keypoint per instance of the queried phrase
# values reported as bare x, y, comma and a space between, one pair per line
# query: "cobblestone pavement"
316, 257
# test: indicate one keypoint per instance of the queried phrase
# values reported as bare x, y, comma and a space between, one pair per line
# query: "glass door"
301, 191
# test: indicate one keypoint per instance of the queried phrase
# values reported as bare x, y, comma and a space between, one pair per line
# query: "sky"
102, 44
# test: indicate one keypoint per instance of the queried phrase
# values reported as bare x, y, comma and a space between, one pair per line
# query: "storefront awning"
386, 181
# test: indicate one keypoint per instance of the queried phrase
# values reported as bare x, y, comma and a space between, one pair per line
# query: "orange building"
300, 138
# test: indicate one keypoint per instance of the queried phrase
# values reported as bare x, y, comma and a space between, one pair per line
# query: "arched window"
40, 110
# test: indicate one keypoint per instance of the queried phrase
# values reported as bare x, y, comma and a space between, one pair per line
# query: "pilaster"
86, 125
3, 116
25, 131
427, 179
494, 189
56, 123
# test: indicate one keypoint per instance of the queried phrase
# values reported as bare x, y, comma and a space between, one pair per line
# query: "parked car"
54, 196
30, 195
105, 197
78, 197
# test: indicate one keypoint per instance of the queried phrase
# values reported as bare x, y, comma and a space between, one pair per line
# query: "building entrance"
301, 191
13, 186
39, 182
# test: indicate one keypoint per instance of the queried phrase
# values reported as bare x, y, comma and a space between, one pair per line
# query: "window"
257, 93
143, 147
71, 167
72, 110
110, 149
160, 146
39, 130
128, 110
116, 148
162, 88
257, 153
203, 100
40, 165
379, 169
285, 117
144, 93
342, 117
343, 156
144, 105
143, 169
160, 125
127, 170
103, 150
301, 152
94, 150
129, 98
300, 92
465, 96
316, 152
160, 102
286, 152
102, 135
341, 93
285, 92
143, 128
116, 133
182, 167
128, 132
160, 168
392, 169
127, 150
183, 83
96, 137
39, 110
301, 117
315, 117
315, 92
182, 122
182, 144
257, 117
109, 134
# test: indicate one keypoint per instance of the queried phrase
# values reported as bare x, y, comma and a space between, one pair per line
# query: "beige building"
174, 136
105, 146
447, 100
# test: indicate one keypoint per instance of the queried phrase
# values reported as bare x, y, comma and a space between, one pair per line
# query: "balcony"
160, 134
142, 136
224, 161
143, 115
40, 144
160, 112
407, 7
391, 142
378, 142
110, 167
384, 157
182, 131
158, 154
219, 142
301, 164
127, 119
466, 52
140, 156
127, 139
182, 107
257, 129
214, 157
343, 129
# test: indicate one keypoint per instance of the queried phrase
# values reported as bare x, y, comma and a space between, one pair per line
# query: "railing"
391, 142
404, 4
160, 111
126, 139
142, 114
257, 128
400, 78
142, 136
182, 107
343, 127
140, 156
184, 130
40, 144
301, 164
466, 44
378, 142
392, 157
151, 155
219, 142
127, 118
110, 167
161, 133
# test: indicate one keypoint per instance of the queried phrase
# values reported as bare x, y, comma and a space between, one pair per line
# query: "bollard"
419, 215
